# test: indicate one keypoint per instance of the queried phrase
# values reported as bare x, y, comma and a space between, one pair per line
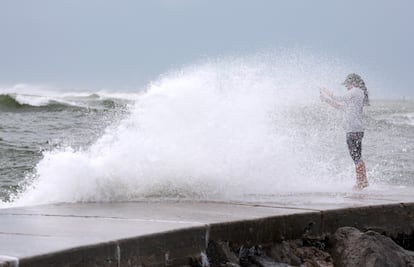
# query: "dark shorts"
354, 141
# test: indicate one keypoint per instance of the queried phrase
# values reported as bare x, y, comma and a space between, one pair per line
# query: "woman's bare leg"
361, 176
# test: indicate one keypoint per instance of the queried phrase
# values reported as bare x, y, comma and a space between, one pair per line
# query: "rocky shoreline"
348, 246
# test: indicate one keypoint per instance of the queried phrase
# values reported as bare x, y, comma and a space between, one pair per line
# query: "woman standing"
351, 104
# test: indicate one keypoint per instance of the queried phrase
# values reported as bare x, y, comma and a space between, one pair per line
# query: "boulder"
264, 261
351, 247
285, 252
314, 257
295, 253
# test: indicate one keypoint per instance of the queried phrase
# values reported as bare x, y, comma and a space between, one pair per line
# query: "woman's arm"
327, 92
327, 97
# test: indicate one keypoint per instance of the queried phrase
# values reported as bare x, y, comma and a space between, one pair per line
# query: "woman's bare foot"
359, 186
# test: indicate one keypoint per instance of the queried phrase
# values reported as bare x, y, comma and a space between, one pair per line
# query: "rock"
351, 247
314, 257
293, 253
219, 254
285, 253
264, 261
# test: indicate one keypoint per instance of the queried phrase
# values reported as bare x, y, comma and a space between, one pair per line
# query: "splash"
225, 129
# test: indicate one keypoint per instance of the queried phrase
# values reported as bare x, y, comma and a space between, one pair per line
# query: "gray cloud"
128, 43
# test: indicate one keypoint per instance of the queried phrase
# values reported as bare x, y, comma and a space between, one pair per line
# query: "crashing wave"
15, 102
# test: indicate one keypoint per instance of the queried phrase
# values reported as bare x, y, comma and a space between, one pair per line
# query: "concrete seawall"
170, 233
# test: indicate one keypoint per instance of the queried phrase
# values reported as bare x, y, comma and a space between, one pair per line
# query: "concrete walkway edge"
178, 247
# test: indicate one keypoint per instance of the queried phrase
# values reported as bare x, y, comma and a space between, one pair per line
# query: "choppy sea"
221, 130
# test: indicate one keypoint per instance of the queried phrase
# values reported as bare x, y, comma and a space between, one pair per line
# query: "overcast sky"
123, 44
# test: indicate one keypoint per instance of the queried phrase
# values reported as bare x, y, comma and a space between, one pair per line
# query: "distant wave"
16, 102
396, 118
402, 118
7, 101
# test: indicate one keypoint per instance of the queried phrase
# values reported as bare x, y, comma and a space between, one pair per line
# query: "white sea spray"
231, 129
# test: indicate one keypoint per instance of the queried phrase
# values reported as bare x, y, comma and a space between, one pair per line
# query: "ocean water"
233, 129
